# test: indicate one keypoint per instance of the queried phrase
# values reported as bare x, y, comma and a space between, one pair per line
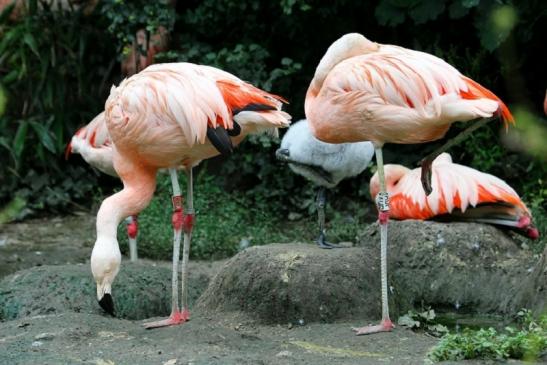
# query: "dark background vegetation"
57, 66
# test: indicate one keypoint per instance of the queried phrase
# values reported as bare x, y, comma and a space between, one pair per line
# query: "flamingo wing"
404, 90
197, 98
455, 187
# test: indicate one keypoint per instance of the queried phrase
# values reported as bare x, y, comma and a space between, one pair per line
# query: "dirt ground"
91, 337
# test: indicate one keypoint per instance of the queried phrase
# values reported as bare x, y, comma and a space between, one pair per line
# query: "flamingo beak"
107, 303
283, 154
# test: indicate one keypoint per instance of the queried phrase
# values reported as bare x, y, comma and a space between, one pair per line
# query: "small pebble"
301, 322
284, 354
289, 326
44, 336
37, 343
440, 240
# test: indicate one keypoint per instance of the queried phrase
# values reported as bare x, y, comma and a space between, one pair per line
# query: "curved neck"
349, 45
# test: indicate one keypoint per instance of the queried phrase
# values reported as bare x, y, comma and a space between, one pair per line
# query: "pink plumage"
382, 93
366, 91
169, 116
459, 193
93, 143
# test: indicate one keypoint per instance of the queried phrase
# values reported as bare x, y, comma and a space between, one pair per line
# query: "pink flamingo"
166, 116
459, 193
93, 143
365, 91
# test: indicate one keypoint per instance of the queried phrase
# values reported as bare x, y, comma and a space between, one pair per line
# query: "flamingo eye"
396, 182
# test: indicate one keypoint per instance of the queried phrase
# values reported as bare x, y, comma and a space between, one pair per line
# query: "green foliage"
45, 63
253, 56
2, 100
57, 66
527, 343
228, 221
424, 321
493, 20
127, 17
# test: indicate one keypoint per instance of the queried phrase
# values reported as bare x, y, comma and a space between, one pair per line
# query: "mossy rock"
467, 267
457, 266
141, 290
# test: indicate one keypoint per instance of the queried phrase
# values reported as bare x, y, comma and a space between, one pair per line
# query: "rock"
285, 283
139, 291
469, 267
44, 336
478, 267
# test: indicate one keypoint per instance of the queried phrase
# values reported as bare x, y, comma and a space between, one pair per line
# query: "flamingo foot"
176, 318
385, 326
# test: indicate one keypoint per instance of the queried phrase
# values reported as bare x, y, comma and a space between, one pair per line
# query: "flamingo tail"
477, 91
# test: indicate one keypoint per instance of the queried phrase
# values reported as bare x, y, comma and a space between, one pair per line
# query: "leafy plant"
527, 343
45, 58
424, 321
127, 17
226, 222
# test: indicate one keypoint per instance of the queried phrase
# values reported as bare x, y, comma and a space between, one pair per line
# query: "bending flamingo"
166, 116
324, 164
459, 193
365, 91
93, 143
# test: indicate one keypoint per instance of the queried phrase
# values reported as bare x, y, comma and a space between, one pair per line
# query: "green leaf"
389, 14
20, 137
470, 3
408, 321
3, 100
44, 135
427, 10
456, 10
4, 143
28, 38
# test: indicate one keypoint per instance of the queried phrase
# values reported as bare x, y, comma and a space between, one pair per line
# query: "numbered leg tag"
382, 201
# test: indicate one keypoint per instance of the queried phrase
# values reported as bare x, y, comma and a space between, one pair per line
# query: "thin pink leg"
177, 220
382, 201
132, 231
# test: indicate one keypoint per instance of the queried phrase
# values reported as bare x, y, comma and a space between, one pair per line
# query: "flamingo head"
393, 175
105, 264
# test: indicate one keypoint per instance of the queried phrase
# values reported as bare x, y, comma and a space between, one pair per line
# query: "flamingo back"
396, 95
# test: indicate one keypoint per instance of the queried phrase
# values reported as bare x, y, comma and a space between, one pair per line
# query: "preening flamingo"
93, 143
365, 91
166, 116
459, 193
324, 164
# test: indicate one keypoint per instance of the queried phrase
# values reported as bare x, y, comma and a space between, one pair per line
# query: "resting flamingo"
166, 116
324, 164
93, 143
459, 193
365, 91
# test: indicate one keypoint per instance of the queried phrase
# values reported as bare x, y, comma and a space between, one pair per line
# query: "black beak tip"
282, 154
107, 303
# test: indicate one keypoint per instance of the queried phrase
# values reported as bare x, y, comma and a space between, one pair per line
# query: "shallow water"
457, 322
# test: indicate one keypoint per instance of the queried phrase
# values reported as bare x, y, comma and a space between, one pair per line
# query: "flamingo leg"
382, 201
321, 202
176, 317
428, 160
132, 231
188, 225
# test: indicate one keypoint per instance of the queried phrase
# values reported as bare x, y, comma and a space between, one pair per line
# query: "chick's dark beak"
107, 304
283, 154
